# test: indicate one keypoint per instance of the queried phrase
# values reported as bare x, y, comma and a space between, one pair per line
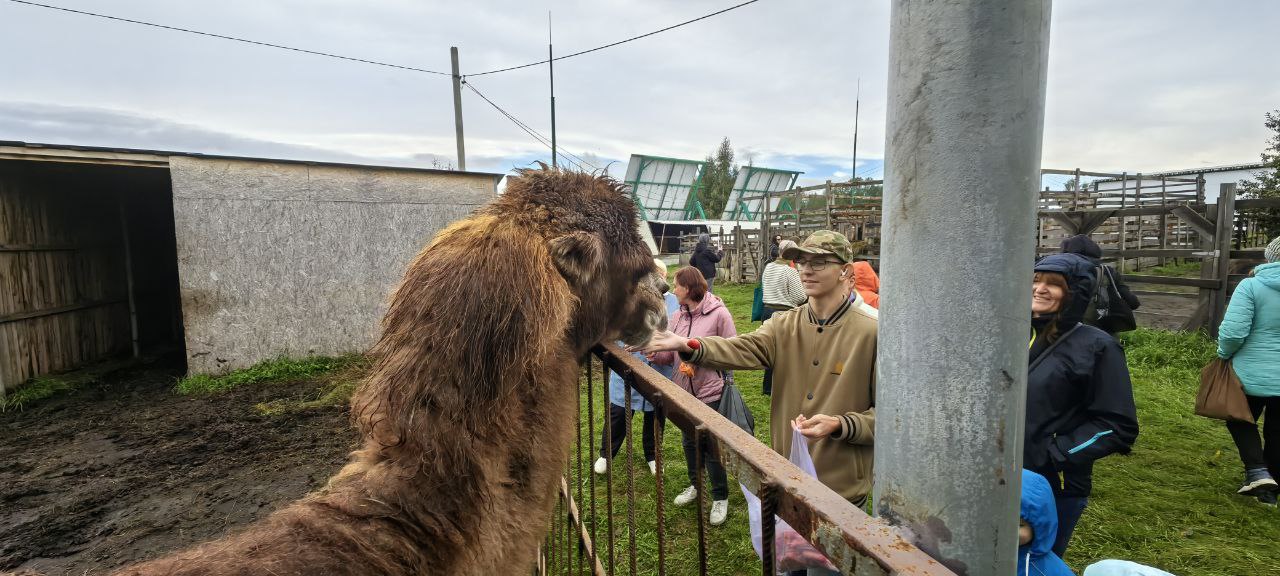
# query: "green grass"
43, 387
49, 385
1184, 269
277, 370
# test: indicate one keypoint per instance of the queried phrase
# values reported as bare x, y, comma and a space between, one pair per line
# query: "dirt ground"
1164, 312
126, 470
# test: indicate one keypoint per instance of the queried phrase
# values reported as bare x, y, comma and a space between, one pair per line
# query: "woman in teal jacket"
1249, 336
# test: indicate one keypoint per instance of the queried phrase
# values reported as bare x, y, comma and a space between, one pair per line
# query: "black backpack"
1108, 310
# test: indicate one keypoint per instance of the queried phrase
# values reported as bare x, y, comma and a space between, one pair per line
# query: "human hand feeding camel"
436, 488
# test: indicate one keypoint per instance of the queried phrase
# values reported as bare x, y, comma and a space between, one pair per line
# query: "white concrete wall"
292, 259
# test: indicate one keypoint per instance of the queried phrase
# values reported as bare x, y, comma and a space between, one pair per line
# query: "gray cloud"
1138, 85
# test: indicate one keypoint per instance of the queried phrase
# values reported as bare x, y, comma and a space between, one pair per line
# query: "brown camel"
468, 413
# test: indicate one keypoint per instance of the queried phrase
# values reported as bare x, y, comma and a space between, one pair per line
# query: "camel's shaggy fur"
468, 413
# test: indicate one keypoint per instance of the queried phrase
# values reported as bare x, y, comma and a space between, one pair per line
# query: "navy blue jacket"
704, 257
1079, 398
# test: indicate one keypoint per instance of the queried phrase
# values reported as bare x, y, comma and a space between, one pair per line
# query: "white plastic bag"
790, 550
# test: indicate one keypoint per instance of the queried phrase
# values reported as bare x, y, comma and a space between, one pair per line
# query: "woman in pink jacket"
701, 314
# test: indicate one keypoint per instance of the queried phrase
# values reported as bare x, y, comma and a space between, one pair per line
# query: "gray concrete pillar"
966, 111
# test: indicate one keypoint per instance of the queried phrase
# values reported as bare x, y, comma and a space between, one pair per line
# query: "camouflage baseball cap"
826, 242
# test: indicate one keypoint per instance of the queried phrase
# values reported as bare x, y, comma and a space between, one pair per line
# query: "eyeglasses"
815, 265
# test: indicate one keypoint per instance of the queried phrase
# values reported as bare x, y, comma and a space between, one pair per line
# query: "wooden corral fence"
594, 531
1138, 221
1220, 236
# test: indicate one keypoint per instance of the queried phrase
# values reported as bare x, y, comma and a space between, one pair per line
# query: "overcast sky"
1139, 85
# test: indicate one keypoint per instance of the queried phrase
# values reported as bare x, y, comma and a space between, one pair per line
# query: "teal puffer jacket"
1250, 331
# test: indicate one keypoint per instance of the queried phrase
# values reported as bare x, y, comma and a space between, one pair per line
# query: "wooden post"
1203, 315
827, 192
1164, 219
1075, 200
1124, 220
795, 208
1223, 238
128, 275
1137, 203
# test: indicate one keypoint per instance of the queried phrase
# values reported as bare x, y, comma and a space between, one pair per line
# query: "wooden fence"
1138, 221
63, 294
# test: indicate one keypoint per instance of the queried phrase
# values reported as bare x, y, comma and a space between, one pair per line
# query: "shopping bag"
735, 409
790, 550
757, 304
1221, 395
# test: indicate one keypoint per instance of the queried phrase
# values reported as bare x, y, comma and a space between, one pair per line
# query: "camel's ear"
578, 256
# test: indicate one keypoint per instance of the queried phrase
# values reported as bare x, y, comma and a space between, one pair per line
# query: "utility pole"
965, 120
551, 68
857, 103
457, 108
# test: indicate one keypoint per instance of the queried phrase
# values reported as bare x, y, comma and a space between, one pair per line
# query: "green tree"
718, 180
1266, 182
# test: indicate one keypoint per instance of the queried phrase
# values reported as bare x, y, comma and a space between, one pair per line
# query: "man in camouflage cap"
826, 242
823, 358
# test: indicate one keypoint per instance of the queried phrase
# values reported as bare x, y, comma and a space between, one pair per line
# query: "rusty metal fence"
592, 534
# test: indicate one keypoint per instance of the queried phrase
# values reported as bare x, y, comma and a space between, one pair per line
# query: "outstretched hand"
663, 341
816, 426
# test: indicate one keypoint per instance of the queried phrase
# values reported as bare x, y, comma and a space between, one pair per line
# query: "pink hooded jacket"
709, 318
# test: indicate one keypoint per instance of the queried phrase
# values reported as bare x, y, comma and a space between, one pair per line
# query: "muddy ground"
1164, 312
127, 470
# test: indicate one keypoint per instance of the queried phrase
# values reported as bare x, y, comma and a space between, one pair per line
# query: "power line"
533, 133
537, 135
233, 38
557, 58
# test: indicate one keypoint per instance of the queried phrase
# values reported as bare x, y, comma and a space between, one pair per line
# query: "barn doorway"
88, 266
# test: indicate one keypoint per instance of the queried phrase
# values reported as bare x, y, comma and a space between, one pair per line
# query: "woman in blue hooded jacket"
1079, 398
1249, 336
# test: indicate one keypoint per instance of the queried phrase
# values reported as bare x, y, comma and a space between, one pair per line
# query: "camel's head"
595, 245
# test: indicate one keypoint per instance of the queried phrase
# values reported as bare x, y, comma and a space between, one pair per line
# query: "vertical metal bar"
966, 110
699, 432
608, 449
554, 540
591, 442
768, 511
631, 476
457, 109
660, 495
577, 478
568, 526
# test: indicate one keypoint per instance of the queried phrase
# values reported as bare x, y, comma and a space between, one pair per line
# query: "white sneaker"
689, 495
719, 511
601, 466
653, 467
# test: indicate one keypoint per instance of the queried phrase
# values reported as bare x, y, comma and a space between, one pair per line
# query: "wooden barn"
108, 253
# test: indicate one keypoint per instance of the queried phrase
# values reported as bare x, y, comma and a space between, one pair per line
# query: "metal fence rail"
584, 535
